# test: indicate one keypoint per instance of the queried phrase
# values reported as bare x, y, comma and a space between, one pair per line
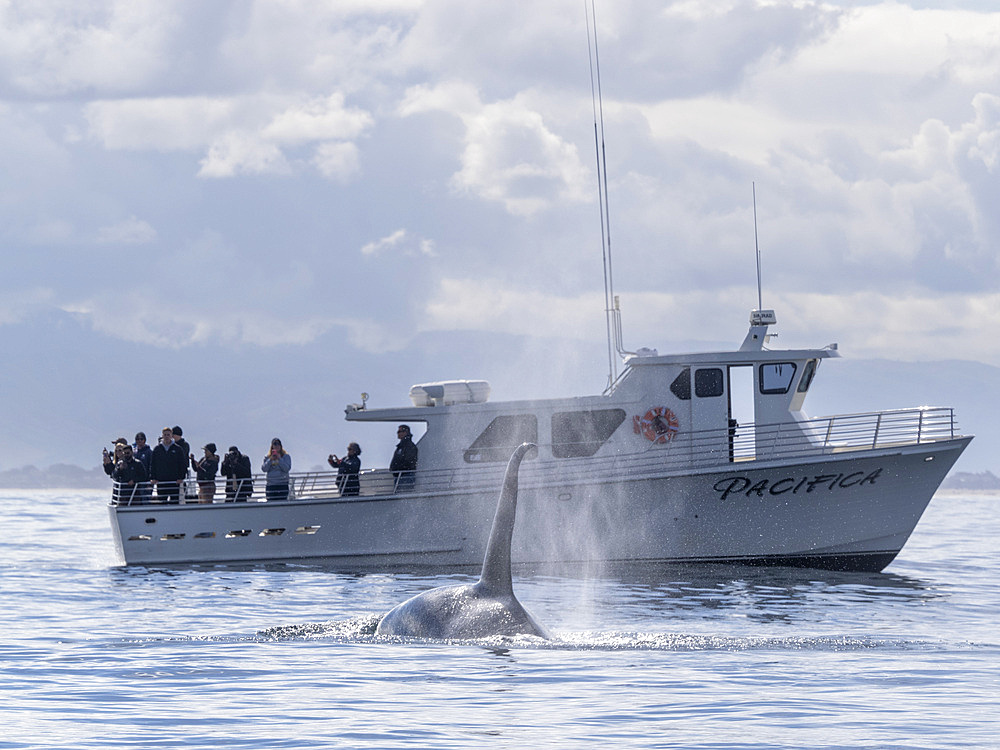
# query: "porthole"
307, 529
140, 538
271, 532
238, 532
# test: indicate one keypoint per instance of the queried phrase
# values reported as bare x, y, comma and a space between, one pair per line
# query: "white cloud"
241, 134
320, 119
61, 47
510, 155
337, 160
131, 231
400, 242
242, 153
865, 324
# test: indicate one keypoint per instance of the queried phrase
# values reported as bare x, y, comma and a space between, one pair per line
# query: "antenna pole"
602, 185
756, 244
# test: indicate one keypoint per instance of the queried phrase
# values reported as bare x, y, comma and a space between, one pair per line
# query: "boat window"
681, 387
708, 382
501, 437
808, 373
777, 377
581, 433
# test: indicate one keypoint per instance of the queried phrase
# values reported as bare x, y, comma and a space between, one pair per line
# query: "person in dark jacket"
168, 466
130, 477
404, 459
205, 471
111, 461
142, 450
238, 472
348, 469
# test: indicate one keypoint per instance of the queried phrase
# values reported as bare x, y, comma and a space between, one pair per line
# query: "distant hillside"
59, 475
983, 480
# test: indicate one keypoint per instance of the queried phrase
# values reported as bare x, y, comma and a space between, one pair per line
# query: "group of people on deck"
137, 467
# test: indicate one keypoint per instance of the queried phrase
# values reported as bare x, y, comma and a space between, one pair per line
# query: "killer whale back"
479, 610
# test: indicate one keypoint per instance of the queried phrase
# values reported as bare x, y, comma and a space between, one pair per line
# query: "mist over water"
264, 656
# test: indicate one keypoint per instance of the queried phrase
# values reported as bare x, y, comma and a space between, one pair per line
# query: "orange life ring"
658, 425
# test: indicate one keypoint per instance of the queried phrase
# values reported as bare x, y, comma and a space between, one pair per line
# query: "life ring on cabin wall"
658, 425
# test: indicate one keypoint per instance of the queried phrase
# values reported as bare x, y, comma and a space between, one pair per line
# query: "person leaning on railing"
404, 459
130, 476
238, 473
205, 470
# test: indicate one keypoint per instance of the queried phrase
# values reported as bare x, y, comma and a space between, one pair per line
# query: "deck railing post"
920, 427
878, 425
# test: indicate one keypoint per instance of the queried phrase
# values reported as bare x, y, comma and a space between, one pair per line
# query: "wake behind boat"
656, 469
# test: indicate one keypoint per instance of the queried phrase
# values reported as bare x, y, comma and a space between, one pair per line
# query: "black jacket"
129, 471
168, 464
236, 466
405, 457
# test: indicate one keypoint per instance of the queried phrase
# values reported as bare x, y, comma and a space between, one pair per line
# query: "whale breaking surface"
485, 608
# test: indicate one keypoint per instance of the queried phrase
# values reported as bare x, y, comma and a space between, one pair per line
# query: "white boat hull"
851, 511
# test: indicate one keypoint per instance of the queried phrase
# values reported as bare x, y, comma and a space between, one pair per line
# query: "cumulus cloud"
510, 155
318, 130
240, 134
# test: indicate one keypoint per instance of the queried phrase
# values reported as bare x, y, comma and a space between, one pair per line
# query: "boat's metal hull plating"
849, 511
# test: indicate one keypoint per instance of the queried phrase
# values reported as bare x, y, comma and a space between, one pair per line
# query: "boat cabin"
686, 404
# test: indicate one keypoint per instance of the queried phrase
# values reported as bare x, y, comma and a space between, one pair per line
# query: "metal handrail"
686, 451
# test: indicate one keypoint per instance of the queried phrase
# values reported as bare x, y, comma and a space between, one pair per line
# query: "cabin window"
808, 373
681, 387
501, 437
777, 377
708, 382
582, 433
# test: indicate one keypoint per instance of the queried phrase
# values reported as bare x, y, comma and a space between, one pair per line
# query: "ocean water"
283, 656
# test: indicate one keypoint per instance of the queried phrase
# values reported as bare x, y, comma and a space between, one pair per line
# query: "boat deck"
684, 453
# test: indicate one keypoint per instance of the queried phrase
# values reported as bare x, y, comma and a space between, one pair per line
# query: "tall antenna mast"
756, 244
612, 312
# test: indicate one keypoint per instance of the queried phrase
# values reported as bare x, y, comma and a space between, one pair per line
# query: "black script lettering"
821, 479
774, 487
871, 477
729, 486
758, 488
845, 483
799, 485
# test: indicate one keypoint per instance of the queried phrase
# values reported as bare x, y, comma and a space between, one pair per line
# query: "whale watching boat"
654, 469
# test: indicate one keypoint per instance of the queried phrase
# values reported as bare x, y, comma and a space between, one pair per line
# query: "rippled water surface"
93, 655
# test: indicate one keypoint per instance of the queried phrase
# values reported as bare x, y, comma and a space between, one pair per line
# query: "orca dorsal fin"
496, 578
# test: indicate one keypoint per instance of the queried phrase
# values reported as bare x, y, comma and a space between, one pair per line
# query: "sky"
254, 188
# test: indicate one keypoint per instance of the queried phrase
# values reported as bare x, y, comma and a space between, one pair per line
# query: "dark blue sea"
93, 655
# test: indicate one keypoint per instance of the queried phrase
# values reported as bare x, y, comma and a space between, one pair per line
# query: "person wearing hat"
109, 462
239, 475
348, 470
206, 469
277, 465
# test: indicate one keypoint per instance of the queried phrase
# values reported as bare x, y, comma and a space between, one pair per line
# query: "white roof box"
450, 392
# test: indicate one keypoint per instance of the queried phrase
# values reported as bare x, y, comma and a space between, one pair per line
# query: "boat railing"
684, 451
